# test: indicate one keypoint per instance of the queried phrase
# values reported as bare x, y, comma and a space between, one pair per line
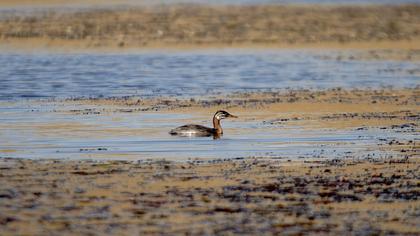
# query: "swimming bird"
203, 131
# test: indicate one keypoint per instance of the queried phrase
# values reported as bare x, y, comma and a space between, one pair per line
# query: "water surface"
39, 131
33, 129
46, 75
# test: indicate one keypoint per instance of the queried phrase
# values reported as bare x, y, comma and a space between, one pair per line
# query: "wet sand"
241, 196
335, 108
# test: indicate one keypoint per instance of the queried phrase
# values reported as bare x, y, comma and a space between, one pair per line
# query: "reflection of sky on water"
192, 73
45, 134
76, 6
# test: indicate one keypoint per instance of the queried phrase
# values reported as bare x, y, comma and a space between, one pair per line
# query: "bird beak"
232, 116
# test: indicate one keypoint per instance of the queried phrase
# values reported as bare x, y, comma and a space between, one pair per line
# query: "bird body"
203, 131
193, 130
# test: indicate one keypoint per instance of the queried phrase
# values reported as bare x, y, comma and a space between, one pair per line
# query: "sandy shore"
242, 196
198, 26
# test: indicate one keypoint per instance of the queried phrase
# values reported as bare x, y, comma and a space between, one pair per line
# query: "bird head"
223, 115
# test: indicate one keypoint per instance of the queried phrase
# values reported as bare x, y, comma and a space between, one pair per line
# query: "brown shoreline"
200, 26
409, 50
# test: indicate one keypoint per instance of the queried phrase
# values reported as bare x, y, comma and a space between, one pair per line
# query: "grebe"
203, 131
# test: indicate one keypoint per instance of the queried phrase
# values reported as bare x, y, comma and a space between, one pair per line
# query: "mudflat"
240, 196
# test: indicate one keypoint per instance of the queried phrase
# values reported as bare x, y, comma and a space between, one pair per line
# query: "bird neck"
217, 126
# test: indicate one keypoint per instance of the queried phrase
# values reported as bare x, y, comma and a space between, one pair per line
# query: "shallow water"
193, 73
46, 132
32, 129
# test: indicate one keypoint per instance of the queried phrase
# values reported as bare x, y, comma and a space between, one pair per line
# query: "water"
344, 2
43, 75
36, 132
28, 10
31, 128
